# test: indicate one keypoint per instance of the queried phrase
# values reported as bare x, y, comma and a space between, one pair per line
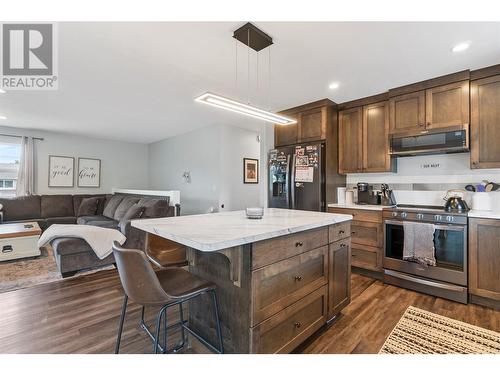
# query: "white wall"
123, 164
214, 157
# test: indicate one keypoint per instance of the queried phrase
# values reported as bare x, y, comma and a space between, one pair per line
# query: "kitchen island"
279, 278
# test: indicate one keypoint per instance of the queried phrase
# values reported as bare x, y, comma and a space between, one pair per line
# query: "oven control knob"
420, 216
404, 215
450, 219
438, 217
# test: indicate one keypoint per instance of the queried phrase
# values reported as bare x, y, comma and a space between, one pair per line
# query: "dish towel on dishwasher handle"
419, 243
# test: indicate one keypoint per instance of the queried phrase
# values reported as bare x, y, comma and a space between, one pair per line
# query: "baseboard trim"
483, 301
373, 274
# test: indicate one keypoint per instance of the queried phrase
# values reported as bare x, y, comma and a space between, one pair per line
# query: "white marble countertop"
217, 231
484, 214
354, 206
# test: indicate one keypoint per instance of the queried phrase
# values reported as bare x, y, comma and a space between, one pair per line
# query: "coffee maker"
366, 194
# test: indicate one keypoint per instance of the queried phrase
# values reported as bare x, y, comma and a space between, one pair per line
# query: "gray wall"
123, 164
196, 152
214, 157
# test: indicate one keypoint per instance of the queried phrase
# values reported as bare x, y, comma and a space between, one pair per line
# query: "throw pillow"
88, 207
155, 208
123, 207
134, 212
109, 210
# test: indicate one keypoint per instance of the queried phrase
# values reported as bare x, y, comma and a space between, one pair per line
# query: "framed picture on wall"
89, 172
250, 171
61, 171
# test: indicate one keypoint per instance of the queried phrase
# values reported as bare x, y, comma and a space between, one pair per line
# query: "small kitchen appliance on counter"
366, 195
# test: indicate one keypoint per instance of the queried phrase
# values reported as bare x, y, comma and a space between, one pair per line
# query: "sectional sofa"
109, 211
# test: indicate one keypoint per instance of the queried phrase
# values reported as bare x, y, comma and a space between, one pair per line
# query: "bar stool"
163, 289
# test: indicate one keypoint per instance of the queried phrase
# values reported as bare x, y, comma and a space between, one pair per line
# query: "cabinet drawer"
273, 250
359, 215
366, 233
339, 231
366, 257
280, 284
284, 331
19, 247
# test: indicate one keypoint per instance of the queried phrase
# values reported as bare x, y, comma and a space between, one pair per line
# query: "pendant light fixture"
256, 39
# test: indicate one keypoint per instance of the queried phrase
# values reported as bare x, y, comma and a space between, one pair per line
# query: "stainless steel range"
448, 278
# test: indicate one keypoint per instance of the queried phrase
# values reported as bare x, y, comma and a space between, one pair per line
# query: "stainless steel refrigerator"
297, 177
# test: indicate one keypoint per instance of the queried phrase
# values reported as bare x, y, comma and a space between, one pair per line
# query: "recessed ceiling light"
461, 47
2, 91
3, 117
333, 85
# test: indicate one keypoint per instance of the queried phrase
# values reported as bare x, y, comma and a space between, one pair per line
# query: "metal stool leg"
165, 333
120, 326
217, 322
157, 334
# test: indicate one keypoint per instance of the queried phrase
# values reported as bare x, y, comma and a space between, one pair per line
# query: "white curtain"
25, 177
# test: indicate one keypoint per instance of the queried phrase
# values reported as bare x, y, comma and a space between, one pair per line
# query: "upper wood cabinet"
312, 121
485, 122
364, 139
351, 140
484, 258
376, 156
447, 105
407, 112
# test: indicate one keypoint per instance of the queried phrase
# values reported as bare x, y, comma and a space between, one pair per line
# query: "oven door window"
449, 245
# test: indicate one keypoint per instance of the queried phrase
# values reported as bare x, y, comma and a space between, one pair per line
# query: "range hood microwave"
435, 141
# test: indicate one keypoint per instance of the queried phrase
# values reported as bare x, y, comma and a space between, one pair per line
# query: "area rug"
24, 273
421, 332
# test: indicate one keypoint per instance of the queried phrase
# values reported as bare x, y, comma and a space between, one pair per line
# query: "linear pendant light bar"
244, 109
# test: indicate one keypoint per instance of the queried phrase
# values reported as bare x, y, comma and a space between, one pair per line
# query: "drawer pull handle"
341, 232
353, 232
298, 278
297, 324
7, 249
343, 245
297, 244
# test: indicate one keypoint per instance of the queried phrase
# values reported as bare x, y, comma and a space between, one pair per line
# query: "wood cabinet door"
312, 124
285, 135
366, 233
447, 105
350, 140
339, 277
376, 156
407, 112
485, 123
484, 258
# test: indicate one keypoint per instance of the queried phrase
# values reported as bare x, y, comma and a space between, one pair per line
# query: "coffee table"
19, 240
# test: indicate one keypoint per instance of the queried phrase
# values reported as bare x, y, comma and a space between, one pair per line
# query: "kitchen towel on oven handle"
419, 243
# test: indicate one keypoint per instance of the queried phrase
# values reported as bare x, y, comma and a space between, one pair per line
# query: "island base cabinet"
339, 282
484, 261
275, 293
284, 331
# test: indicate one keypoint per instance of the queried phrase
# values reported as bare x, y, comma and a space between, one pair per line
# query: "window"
10, 155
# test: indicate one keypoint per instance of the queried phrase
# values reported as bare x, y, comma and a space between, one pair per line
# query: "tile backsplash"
425, 179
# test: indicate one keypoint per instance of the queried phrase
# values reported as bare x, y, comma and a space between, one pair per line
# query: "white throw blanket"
419, 243
99, 239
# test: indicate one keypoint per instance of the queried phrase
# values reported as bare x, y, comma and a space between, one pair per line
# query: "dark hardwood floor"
81, 316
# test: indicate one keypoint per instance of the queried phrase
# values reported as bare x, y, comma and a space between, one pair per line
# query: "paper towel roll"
349, 197
341, 195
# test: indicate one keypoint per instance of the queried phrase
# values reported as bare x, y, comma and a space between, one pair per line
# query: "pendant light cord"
248, 66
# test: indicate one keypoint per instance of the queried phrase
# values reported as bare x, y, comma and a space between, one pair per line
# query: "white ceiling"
137, 81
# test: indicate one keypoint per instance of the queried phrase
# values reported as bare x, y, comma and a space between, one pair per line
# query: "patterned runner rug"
421, 332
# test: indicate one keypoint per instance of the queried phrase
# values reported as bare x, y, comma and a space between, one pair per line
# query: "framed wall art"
89, 172
61, 171
250, 171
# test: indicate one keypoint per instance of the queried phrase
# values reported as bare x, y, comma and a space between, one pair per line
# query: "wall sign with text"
89, 172
61, 171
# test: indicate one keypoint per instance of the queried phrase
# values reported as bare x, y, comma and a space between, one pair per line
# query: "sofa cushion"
61, 220
111, 206
124, 206
88, 207
154, 208
112, 224
86, 219
21, 208
56, 206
